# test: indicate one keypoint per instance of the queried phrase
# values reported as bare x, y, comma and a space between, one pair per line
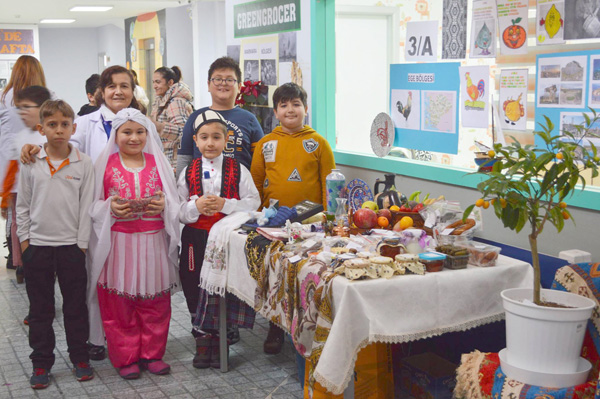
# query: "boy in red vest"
213, 186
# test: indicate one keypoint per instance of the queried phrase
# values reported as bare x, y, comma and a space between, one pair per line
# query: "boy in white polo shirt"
54, 228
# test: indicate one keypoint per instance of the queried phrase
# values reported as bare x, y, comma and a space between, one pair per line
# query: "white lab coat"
90, 136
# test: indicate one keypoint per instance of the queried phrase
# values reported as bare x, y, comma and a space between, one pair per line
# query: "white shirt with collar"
249, 196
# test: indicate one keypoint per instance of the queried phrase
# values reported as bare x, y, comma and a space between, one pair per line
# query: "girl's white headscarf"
102, 220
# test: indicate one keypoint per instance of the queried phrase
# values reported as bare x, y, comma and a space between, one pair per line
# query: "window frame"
323, 119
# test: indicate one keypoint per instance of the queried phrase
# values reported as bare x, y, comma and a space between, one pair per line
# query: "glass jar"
334, 182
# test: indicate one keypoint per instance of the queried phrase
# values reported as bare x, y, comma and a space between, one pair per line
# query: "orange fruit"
560, 156
503, 203
492, 201
394, 208
479, 202
562, 204
486, 204
383, 222
406, 222
491, 153
565, 215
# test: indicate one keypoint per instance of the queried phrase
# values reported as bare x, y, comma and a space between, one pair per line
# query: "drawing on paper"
484, 40
513, 110
474, 92
438, 111
406, 109
514, 36
553, 21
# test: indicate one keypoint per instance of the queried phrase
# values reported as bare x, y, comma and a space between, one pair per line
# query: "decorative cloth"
481, 377
213, 275
454, 29
102, 220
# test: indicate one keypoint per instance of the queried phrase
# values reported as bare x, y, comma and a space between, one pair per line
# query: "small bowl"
485, 161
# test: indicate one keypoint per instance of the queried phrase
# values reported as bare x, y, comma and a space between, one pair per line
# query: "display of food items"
461, 226
456, 257
410, 262
365, 218
390, 247
434, 262
383, 266
480, 254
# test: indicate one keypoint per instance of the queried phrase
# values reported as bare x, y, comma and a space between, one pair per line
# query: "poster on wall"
512, 26
513, 99
483, 29
474, 96
423, 100
454, 29
561, 82
550, 22
582, 19
567, 84
15, 41
272, 47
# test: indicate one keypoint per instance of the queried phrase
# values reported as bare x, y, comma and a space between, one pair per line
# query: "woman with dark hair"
171, 109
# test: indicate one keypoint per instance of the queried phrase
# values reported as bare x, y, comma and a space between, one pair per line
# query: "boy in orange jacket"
290, 164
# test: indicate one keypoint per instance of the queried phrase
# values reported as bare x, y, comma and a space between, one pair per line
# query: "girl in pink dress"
133, 246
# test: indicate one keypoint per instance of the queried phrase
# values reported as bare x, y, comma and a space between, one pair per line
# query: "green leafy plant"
528, 185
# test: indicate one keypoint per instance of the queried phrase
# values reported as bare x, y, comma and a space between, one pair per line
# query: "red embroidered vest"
230, 187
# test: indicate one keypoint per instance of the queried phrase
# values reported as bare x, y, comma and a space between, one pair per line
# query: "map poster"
423, 100
483, 29
512, 26
513, 99
594, 89
550, 22
474, 96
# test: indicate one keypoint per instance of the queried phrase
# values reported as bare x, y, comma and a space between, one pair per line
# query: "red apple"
386, 213
365, 218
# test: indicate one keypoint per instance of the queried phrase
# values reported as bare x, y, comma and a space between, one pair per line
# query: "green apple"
370, 205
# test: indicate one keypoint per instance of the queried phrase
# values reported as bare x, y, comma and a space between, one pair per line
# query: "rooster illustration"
405, 110
473, 91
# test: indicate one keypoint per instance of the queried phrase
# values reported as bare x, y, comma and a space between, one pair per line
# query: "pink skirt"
137, 265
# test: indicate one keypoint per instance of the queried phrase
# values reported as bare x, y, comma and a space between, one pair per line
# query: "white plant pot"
544, 339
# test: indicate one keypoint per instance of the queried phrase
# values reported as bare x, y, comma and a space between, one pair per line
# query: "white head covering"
102, 220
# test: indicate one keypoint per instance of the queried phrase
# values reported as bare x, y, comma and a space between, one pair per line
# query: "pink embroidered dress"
137, 265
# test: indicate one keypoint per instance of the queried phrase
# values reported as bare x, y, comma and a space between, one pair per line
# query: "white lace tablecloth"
404, 308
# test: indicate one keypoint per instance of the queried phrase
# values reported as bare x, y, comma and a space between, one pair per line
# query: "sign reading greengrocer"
266, 17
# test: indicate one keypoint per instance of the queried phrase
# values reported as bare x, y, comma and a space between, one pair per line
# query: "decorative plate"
358, 192
382, 134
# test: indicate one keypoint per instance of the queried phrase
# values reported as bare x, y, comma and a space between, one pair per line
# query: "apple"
365, 218
386, 213
370, 205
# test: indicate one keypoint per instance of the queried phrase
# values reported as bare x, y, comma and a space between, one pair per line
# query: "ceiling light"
56, 21
91, 8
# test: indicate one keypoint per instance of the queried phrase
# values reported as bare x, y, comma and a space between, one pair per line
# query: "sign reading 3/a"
421, 41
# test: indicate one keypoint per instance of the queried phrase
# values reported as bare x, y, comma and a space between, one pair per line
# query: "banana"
426, 197
414, 196
441, 198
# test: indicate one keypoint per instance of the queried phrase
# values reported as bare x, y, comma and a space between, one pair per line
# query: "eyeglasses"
26, 107
227, 82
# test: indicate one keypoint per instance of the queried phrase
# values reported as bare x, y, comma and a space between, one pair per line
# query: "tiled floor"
252, 374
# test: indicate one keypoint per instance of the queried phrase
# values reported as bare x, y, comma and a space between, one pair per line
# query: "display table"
401, 309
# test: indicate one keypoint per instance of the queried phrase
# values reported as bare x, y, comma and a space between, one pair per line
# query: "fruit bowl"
487, 162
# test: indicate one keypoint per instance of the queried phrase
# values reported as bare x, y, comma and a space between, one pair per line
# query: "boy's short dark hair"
91, 84
288, 92
35, 94
225, 63
51, 107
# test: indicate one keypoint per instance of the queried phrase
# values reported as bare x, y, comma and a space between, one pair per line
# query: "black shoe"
233, 335
274, 341
96, 352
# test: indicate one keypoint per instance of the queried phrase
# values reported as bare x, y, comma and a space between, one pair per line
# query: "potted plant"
527, 187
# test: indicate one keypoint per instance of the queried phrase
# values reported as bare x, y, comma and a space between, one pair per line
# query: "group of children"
127, 209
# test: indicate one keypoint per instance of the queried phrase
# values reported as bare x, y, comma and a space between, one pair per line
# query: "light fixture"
56, 21
90, 8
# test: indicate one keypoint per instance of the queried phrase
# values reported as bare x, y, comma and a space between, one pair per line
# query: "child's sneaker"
155, 366
40, 378
83, 371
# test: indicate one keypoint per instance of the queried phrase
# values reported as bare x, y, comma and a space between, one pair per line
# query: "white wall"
584, 235
180, 43
209, 44
111, 41
69, 56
